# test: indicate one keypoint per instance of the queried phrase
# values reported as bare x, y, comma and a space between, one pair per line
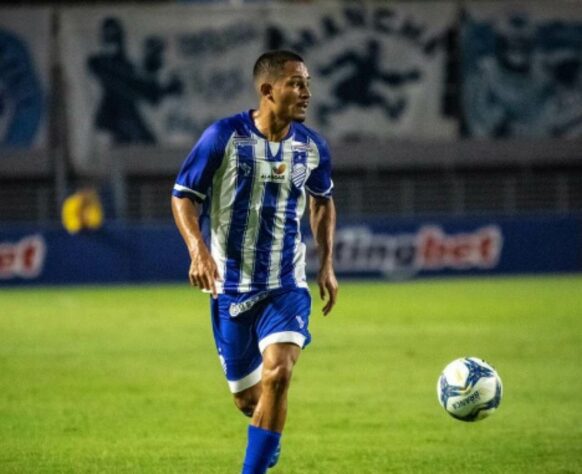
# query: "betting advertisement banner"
161, 75
522, 69
25, 50
384, 249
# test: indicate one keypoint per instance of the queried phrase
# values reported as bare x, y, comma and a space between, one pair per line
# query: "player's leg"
268, 421
246, 400
240, 357
273, 410
282, 331
234, 323
278, 362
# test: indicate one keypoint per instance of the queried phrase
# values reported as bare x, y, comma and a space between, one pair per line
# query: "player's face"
291, 93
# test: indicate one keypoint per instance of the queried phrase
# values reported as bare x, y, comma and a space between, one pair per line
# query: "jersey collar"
251, 122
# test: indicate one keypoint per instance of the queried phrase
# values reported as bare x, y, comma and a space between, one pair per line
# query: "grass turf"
126, 379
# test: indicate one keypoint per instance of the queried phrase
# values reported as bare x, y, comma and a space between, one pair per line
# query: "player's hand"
203, 272
328, 288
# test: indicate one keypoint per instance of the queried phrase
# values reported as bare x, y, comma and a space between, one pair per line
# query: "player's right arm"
203, 270
190, 191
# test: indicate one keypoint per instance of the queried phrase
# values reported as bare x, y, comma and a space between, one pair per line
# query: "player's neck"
273, 128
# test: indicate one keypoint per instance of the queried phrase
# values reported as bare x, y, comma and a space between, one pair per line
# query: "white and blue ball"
469, 389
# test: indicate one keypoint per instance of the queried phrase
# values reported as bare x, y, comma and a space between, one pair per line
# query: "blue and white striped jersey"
253, 194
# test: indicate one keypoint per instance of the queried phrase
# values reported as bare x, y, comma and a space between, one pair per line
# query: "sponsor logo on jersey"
279, 169
272, 173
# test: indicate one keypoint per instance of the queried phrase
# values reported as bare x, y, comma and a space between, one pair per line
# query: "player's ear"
266, 90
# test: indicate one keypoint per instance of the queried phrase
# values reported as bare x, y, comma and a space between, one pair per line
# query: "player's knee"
278, 377
245, 402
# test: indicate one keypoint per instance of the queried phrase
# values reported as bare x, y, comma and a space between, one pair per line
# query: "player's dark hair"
272, 62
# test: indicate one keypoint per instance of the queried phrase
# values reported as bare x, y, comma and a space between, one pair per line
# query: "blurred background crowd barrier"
455, 129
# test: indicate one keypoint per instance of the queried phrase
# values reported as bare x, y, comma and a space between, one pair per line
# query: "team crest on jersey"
299, 174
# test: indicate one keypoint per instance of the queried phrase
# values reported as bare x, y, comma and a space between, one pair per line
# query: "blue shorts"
244, 324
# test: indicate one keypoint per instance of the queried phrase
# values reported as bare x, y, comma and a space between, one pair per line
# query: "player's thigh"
237, 345
285, 319
281, 355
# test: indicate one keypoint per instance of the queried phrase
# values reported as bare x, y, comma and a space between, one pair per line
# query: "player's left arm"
322, 217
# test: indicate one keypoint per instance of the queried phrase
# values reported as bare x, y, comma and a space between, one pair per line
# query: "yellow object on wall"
82, 211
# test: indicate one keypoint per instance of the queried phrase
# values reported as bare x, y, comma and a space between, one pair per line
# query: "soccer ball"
469, 389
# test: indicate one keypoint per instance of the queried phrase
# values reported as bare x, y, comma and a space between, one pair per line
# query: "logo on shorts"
222, 362
300, 321
237, 308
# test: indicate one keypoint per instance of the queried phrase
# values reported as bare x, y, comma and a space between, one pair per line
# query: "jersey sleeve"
195, 177
319, 183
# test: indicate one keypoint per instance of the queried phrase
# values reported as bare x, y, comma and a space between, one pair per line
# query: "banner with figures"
161, 75
522, 70
25, 54
379, 69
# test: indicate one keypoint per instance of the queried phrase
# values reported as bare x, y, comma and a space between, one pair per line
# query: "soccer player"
238, 202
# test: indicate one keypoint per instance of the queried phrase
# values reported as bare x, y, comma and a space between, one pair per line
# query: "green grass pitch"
126, 380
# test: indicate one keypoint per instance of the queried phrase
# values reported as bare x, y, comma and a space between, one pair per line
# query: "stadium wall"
383, 249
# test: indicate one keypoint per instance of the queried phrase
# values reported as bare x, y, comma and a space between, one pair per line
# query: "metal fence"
405, 193
361, 193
